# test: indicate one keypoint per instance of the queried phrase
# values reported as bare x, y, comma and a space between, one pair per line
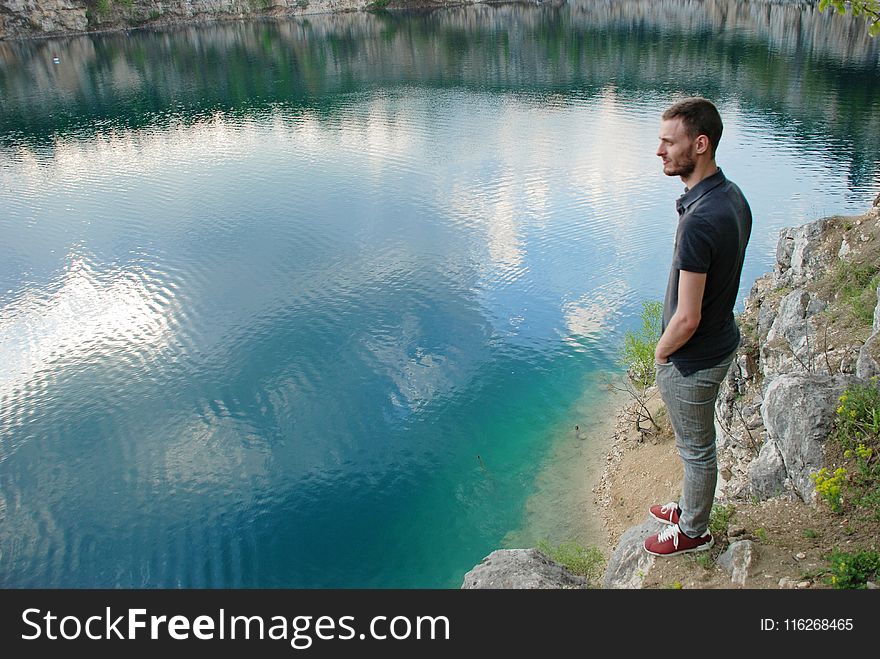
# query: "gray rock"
739, 560
877, 312
521, 568
868, 363
799, 253
766, 317
767, 472
630, 563
798, 412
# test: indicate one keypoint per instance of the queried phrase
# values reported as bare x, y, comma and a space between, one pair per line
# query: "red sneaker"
671, 541
667, 513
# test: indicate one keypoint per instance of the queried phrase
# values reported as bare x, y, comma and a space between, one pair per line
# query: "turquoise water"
319, 302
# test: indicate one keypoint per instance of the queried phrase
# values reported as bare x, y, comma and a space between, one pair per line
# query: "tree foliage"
870, 9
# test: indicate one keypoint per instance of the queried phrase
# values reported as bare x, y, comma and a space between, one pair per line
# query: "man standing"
700, 336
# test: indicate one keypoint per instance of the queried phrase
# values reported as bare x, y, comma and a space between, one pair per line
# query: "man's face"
677, 150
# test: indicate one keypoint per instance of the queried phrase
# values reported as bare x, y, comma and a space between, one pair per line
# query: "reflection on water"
317, 302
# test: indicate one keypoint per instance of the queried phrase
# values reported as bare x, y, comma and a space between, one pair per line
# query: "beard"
683, 166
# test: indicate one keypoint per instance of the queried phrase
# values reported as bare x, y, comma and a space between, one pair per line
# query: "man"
700, 336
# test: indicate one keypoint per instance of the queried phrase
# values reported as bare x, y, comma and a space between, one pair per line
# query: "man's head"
689, 134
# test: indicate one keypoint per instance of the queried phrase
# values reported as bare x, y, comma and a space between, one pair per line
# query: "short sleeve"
694, 246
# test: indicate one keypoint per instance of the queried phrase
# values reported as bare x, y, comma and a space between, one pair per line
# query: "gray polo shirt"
714, 226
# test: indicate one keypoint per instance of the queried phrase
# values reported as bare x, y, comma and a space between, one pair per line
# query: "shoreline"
563, 506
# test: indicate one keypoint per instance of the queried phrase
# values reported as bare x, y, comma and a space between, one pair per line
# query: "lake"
317, 303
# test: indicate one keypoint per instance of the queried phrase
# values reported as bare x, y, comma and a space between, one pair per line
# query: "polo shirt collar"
691, 195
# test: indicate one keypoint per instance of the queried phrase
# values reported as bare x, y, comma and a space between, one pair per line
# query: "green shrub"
857, 432
829, 486
853, 570
858, 416
637, 353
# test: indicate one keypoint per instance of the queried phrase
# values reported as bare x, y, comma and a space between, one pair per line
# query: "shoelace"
669, 508
670, 532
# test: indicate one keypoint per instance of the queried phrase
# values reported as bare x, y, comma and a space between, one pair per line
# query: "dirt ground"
792, 538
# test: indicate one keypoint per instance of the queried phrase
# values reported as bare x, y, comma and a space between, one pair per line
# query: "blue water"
319, 302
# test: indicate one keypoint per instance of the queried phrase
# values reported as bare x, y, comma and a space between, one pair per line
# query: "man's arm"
686, 319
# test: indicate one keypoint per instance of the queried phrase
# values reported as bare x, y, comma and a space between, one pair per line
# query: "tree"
870, 9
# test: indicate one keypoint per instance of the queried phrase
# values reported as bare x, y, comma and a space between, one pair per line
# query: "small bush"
857, 432
858, 416
853, 570
637, 353
829, 486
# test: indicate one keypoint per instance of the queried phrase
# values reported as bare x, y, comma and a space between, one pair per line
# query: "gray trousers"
690, 403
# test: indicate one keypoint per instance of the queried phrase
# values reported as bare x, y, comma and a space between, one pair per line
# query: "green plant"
858, 416
637, 353
856, 284
378, 5
102, 6
857, 432
719, 519
675, 585
585, 561
811, 534
302, 4
870, 9
761, 534
853, 569
704, 560
829, 486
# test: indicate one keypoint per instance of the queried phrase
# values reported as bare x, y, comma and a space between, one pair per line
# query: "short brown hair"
699, 117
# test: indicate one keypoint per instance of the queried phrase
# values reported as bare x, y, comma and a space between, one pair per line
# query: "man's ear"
702, 144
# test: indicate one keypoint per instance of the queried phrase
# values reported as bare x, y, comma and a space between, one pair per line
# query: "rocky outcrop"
521, 568
29, 17
868, 364
798, 412
777, 406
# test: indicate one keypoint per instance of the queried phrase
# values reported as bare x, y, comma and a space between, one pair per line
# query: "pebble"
800, 556
804, 584
870, 585
785, 582
735, 531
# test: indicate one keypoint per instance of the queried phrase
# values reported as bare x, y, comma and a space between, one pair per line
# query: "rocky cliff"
35, 18
808, 332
